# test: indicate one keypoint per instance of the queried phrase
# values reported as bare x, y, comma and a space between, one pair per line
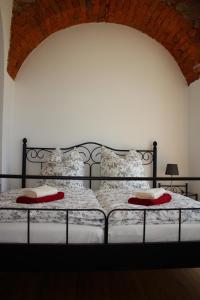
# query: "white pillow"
130, 165
58, 165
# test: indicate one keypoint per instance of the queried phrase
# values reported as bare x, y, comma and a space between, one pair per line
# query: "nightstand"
180, 189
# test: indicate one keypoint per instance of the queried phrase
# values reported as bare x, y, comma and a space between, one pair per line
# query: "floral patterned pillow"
58, 165
74, 166
130, 165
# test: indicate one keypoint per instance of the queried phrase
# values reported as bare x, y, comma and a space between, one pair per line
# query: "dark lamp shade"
172, 169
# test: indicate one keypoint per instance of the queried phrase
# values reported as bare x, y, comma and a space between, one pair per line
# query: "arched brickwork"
176, 27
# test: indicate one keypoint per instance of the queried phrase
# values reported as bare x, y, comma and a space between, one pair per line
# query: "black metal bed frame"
106, 256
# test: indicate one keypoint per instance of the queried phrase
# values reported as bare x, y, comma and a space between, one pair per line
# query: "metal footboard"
144, 223
67, 211
106, 219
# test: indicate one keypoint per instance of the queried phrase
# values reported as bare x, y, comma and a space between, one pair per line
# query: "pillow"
58, 165
74, 166
53, 166
130, 165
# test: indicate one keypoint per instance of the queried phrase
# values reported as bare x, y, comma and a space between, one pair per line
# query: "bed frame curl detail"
90, 152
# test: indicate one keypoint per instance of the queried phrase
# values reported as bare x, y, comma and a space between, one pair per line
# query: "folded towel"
150, 194
40, 191
30, 200
162, 199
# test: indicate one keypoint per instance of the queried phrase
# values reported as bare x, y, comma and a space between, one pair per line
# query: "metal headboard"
90, 152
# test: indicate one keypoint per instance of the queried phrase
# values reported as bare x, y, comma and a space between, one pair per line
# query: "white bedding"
74, 199
161, 226
87, 227
111, 199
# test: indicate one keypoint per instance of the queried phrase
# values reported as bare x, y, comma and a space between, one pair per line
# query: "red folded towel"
162, 199
28, 200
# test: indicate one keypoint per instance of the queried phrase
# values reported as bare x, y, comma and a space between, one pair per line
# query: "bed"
104, 241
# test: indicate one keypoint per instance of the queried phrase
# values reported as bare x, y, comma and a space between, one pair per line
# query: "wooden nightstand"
180, 189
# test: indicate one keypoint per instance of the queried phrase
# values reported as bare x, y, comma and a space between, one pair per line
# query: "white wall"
8, 96
194, 126
101, 82
1, 86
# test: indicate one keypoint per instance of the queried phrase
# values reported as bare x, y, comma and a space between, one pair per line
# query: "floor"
145, 285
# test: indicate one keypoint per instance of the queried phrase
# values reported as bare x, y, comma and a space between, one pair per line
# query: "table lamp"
172, 169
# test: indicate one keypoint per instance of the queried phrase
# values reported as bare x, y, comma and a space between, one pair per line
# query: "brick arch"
34, 20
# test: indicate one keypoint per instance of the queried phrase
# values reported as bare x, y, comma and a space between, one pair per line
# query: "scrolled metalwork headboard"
90, 152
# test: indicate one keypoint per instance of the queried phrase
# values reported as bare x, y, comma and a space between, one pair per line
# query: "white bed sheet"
55, 233
50, 233
154, 233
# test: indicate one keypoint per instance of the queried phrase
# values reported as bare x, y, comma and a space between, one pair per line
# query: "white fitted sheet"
55, 233
50, 233
154, 233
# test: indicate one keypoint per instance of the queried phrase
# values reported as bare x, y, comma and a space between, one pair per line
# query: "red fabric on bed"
28, 200
162, 199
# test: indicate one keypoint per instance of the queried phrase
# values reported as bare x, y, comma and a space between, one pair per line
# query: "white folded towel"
150, 194
40, 191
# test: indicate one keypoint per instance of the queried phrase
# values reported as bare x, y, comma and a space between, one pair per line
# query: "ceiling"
173, 23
